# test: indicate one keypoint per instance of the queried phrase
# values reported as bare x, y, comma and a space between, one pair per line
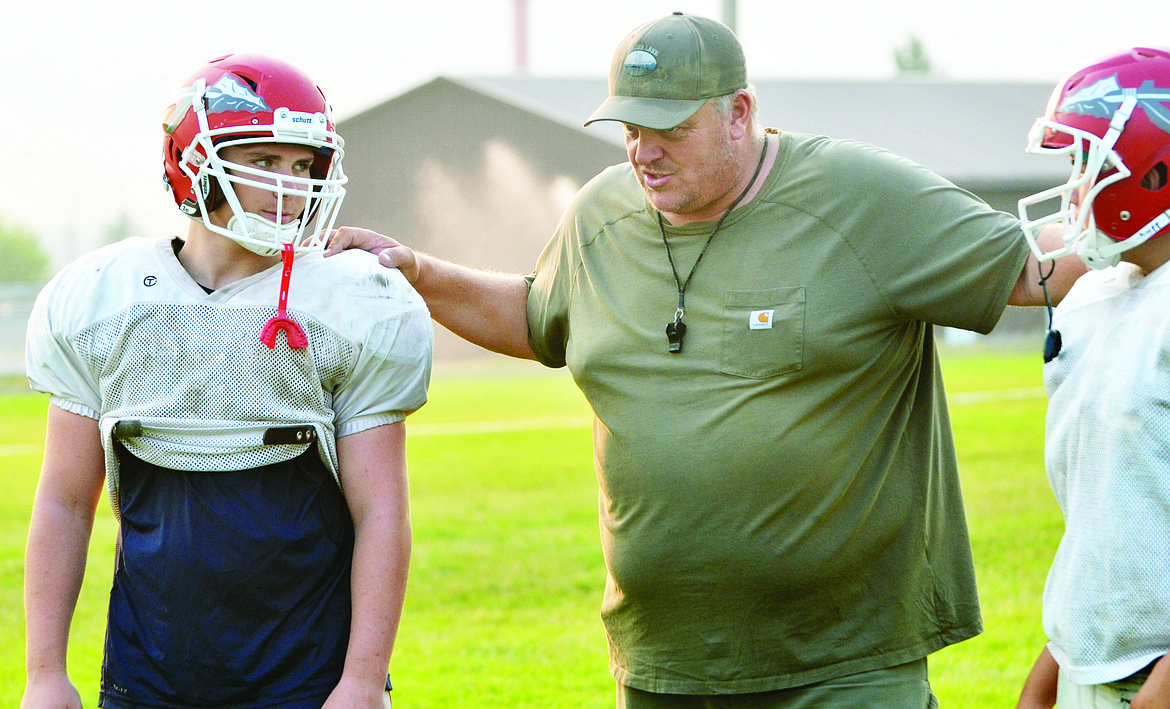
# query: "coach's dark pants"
901, 687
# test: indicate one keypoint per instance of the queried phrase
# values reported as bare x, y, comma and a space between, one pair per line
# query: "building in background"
478, 171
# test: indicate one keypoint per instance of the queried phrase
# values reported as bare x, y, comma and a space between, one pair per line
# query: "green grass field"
507, 574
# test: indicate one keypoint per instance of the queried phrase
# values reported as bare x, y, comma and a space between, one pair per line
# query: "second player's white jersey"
1107, 451
126, 336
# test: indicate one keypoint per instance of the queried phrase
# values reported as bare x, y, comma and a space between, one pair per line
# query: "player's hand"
55, 693
1039, 690
349, 694
391, 253
1155, 693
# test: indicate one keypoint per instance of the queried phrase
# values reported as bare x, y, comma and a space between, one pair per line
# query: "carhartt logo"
761, 319
230, 95
1102, 99
639, 62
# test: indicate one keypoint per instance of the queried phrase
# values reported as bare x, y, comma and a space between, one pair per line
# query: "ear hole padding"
1155, 179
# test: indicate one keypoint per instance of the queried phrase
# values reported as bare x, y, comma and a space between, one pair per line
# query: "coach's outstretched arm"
487, 309
1062, 272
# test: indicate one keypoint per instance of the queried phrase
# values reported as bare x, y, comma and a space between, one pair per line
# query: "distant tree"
911, 58
119, 229
24, 258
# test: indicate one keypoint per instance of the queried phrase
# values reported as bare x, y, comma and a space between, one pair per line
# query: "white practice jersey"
124, 334
1107, 451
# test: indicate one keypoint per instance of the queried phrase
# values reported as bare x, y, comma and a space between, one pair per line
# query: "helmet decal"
204, 184
1101, 99
228, 94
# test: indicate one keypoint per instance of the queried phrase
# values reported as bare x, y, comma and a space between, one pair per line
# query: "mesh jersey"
125, 334
1107, 443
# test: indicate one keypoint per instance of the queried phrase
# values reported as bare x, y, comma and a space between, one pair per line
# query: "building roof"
478, 170
971, 133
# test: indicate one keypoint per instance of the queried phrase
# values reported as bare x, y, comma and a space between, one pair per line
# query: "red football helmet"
1113, 119
248, 98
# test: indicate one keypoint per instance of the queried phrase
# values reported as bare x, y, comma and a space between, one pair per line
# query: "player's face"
687, 171
279, 159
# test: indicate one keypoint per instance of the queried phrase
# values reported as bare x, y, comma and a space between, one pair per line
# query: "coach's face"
689, 172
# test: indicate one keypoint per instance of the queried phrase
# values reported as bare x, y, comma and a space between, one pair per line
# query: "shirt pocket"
763, 332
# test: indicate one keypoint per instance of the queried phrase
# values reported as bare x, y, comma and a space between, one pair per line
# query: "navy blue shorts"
230, 589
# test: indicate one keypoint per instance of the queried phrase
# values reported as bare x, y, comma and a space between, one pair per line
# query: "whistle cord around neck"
1052, 340
677, 329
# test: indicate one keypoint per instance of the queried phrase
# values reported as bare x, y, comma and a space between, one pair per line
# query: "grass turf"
506, 576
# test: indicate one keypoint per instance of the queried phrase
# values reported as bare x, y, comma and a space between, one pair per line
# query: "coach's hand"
391, 253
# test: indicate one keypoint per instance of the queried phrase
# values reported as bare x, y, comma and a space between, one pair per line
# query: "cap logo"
1100, 100
228, 94
640, 62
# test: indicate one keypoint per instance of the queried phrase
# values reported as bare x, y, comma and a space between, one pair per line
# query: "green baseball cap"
665, 70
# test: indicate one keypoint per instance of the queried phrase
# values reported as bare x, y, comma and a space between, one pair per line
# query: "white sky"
83, 84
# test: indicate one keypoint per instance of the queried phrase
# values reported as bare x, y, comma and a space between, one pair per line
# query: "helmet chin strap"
257, 228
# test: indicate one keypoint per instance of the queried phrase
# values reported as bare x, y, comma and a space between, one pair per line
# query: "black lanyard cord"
1052, 341
676, 329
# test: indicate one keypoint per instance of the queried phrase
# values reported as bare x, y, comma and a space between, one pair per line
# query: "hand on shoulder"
391, 253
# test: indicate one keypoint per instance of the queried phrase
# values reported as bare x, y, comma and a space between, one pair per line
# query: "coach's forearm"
1061, 273
487, 309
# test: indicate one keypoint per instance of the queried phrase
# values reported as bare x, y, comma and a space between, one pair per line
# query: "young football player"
242, 401
1107, 442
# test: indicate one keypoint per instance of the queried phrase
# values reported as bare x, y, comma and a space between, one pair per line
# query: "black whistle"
674, 335
1052, 345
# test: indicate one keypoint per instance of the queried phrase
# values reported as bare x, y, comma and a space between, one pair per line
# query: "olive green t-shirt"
779, 501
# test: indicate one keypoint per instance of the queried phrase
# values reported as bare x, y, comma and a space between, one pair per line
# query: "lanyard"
677, 329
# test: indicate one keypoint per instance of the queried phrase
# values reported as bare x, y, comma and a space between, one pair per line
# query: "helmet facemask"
1095, 166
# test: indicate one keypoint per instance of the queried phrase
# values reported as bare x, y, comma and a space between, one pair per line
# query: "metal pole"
521, 29
729, 14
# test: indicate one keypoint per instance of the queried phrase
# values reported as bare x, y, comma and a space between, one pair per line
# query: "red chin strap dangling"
293, 333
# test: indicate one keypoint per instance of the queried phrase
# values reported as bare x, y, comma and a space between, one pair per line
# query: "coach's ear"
741, 114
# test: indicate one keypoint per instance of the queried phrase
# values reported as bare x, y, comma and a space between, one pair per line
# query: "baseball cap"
665, 70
